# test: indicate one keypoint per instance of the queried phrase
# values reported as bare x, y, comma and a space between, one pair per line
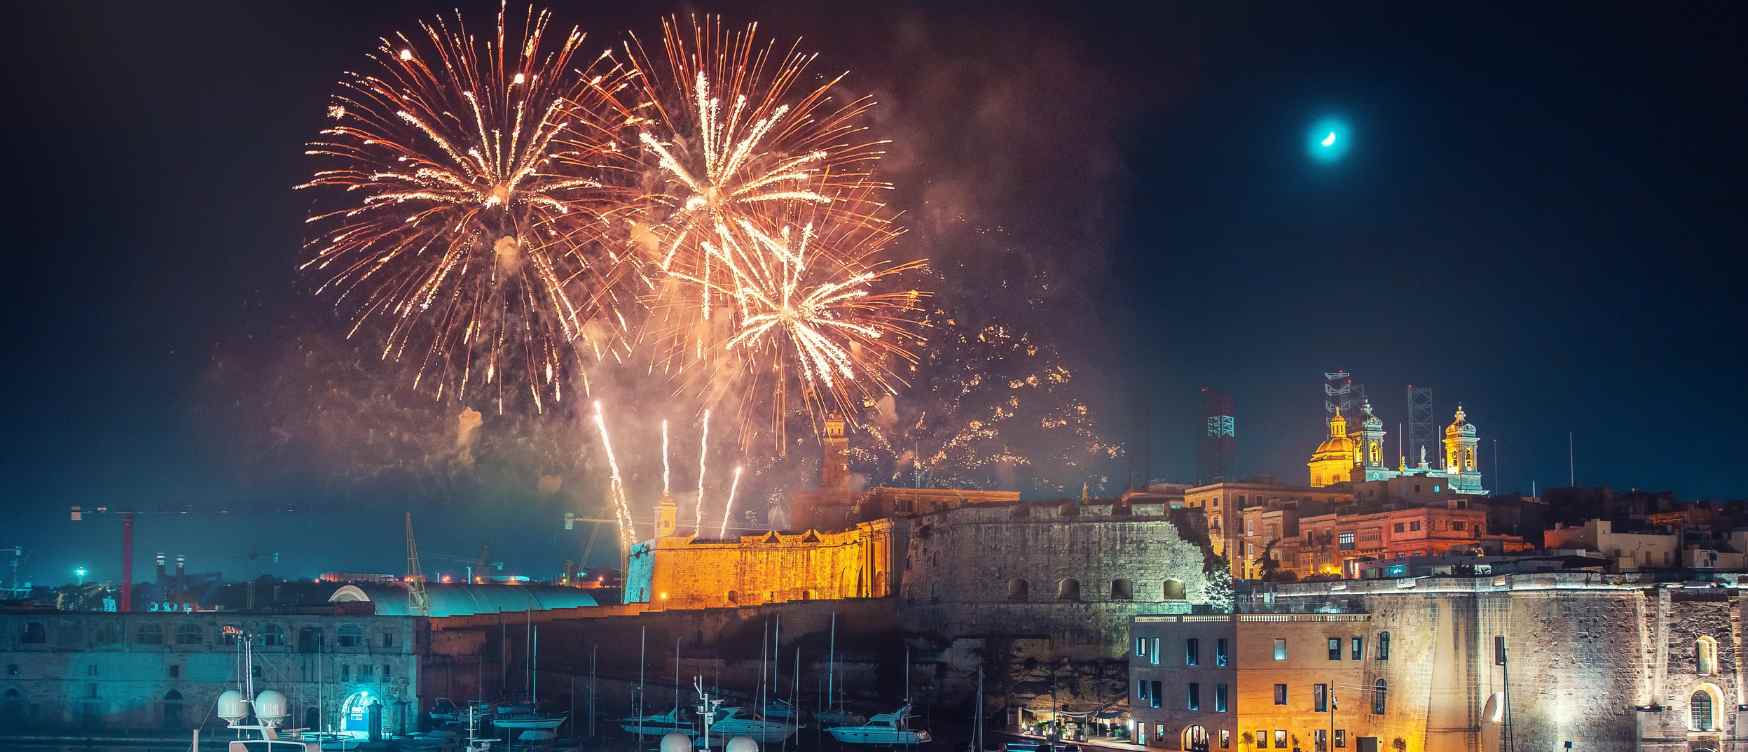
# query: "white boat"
780, 709
730, 723
830, 718
883, 730
660, 724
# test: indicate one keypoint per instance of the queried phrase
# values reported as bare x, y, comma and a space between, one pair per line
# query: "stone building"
688, 571
1356, 456
1486, 664
163, 672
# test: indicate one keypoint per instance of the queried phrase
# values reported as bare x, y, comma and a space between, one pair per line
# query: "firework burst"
728, 136
473, 185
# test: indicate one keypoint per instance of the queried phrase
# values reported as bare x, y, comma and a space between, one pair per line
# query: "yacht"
729, 723
660, 724
883, 730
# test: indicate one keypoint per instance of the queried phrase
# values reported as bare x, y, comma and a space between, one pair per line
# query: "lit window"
1192, 652
1335, 648
1280, 738
1705, 655
1220, 698
1340, 738
1153, 652
1220, 652
1359, 648
1321, 743
1320, 698
1701, 706
1280, 694
1280, 649
1225, 739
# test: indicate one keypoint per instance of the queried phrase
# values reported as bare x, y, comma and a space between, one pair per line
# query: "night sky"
1540, 217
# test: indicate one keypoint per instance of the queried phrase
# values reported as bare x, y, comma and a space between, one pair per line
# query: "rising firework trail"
703, 453
729, 507
463, 193
616, 486
664, 457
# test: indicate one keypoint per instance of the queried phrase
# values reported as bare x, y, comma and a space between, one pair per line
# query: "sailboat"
731, 723
526, 717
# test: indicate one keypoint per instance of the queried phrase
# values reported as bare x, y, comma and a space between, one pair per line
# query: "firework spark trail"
469, 187
729, 507
703, 452
664, 457
621, 507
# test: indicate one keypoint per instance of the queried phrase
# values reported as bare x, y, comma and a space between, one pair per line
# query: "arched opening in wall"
1703, 707
734, 596
1194, 739
1380, 697
11, 709
355, 713
189, 634
1705, 655
1174, 590
173, 710
1493, 723
1068, 589
1122, 590
312, 718
1019, 591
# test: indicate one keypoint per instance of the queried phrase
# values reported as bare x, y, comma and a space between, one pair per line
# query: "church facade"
1357, 455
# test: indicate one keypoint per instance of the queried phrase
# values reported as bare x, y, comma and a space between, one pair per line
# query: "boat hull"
878, 737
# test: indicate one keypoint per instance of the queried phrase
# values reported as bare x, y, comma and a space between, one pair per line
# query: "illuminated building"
1357, 455
162, 672
1548, 661
1221, 509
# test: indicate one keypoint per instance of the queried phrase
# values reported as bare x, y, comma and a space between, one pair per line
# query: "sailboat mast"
533, 673
642, 651
831, 661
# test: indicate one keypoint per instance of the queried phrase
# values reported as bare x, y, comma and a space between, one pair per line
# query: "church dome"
1335, 458
1339, 445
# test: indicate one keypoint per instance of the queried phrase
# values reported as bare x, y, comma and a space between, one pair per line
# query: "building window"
1193, 698
1340, 738
1280, 738
1280, 694
1068, 590
149, 634
1498, 650
175, 671
1380, 693
1141, 691
1335, 648
1262, 739
388, 639
1122, 590
1192, 652
1705, 655
34, 633
365, 671
1321, 743
189, 634
1225, 738
1156, 691
1220, 698
1320, 698
310, 639
351, 636
1280, 649
1220, 652
273, 636
1456, 524
1701, 705
1414, 526
1153, 651
1400, 527
1383, 646
385, 672
1345, 541
1018, 590
345, 672
1174, 590
1141, 647
1359, 648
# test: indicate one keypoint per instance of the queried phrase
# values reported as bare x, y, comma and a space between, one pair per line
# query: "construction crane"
416, 596
124, 602
476, 567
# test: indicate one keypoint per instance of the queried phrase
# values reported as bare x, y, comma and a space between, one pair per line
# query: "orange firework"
727, 135
474, 186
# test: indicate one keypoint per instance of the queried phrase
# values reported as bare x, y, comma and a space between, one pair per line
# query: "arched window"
1068, 589
1122, 590
1705, 655
351, 636
173, 709
189, 634
149, 634
1174, 590
34, 633
1019, 591
1703, 710
1380, 694
1383, 646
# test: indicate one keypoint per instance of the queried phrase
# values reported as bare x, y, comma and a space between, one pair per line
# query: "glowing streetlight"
1328, 139
80, 572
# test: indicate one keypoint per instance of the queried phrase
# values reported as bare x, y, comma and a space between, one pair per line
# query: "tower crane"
420, 601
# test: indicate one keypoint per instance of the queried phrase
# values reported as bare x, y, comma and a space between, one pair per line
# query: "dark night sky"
1538, 218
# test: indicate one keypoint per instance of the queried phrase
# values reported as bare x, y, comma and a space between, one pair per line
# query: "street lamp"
80, 572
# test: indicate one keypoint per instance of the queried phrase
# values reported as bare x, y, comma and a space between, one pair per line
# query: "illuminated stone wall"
772, 567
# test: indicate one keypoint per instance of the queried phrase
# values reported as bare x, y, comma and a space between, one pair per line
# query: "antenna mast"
416, 597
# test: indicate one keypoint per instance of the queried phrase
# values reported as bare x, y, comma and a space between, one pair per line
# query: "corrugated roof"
465, 600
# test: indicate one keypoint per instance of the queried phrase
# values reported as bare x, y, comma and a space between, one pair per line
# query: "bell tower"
667, 521
834, 461
1371, 439
1461, 464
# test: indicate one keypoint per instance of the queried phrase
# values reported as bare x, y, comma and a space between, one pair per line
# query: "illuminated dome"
1335, 458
